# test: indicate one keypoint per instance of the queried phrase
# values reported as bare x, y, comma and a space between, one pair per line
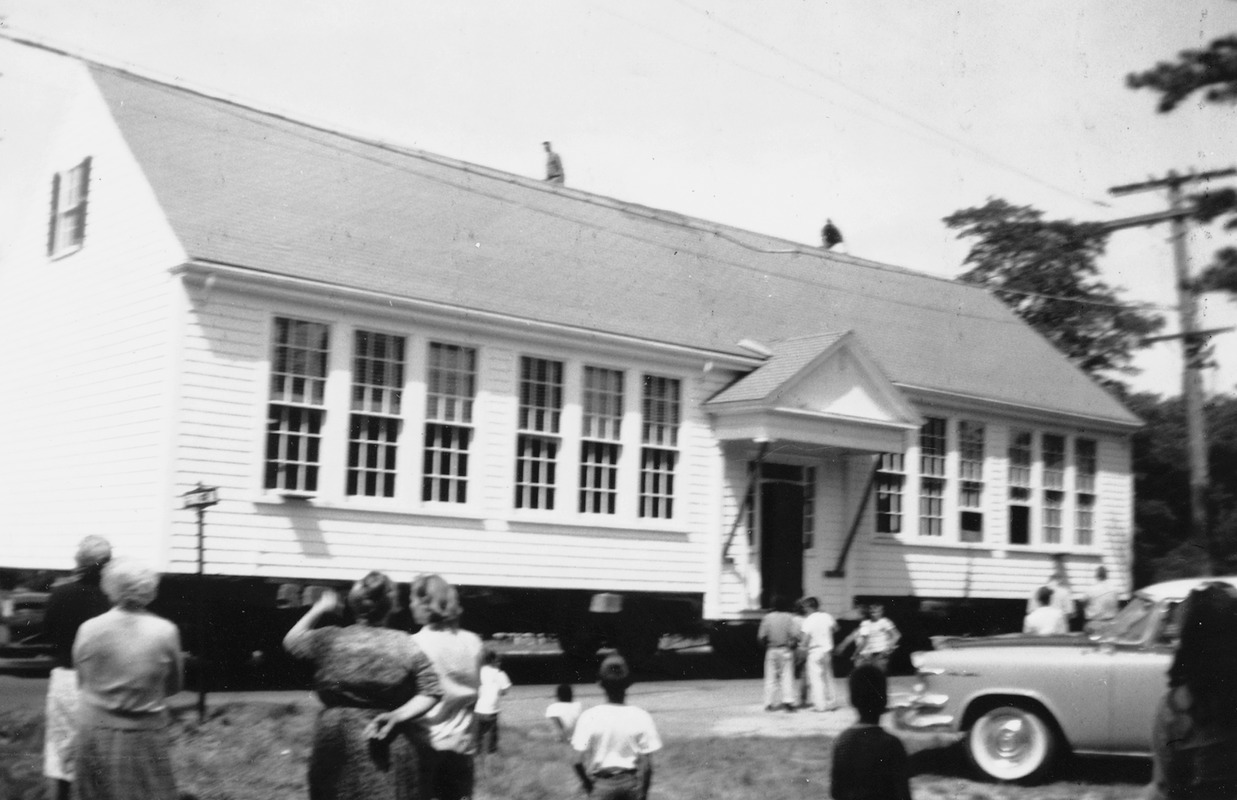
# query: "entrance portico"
792, 432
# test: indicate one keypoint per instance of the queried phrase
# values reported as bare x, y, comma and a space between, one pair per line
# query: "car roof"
1181, 587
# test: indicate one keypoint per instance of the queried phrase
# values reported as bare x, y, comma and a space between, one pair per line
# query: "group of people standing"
403, 717
1051, 608
116, 665
799, 647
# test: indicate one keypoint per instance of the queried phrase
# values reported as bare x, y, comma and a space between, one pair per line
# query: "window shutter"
51, 225
83, 191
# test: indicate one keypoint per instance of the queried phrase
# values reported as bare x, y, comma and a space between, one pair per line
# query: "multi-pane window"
931, 506
659, 453
932, 448
890, 477
297, 405
1085, 466
1054, 503
1020, 461
932, 452
537, 443
600, 432
1054, 461
1085, 520
809, 507
67, 227
450, 390
375, 423
971, 483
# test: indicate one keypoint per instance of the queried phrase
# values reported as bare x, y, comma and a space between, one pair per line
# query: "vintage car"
23, 644
1019, 702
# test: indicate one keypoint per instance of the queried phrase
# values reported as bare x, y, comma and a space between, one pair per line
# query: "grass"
259, 752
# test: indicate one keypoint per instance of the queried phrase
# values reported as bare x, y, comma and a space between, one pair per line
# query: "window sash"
889, 487
372, 449
971, 450
1020, 458
1053, 522
536, 471
599, 477
932, 447
1085, 465
1053, 450
541, 394
444, 468
603, 404
931, 507
70, 190
451, 383
1084, 520
657, 482
293, 448
662, 411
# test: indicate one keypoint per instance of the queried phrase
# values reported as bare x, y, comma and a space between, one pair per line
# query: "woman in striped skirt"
128, 663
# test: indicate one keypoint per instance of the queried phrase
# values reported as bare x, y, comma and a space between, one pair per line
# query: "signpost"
199, 499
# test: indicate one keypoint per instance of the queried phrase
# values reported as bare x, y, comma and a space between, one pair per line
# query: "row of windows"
297, 412
1026, 450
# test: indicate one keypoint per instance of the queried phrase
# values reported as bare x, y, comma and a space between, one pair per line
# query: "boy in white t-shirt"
564, 711
494, 684
614, 742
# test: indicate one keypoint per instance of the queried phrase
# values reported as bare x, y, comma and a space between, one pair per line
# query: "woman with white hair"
128, 663
456, 656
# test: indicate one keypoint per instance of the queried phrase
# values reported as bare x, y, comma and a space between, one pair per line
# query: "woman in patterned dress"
361, 671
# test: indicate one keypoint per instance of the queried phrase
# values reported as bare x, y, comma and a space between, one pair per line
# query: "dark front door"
781, 533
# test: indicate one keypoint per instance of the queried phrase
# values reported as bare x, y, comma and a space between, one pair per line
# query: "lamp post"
199, 499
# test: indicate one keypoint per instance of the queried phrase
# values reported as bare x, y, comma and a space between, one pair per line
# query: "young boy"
494, 684
868, 761
614, 742
564, 711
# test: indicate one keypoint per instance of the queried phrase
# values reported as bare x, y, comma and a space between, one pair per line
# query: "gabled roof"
788, 359
245, 188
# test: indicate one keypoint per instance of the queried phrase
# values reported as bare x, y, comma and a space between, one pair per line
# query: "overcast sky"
885, 115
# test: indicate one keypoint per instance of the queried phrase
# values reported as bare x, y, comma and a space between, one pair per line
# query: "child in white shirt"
494, 684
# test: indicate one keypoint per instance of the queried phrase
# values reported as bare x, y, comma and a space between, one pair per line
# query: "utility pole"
1193, 340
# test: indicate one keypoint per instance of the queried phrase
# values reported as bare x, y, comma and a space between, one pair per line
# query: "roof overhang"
823, 391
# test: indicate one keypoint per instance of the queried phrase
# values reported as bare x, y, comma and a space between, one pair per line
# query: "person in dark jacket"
869, 762
70, 604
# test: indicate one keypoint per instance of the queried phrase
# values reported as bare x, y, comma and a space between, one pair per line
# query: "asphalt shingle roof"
788, 359
246, 188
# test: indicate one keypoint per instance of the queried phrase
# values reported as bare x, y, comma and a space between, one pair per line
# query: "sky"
883, 115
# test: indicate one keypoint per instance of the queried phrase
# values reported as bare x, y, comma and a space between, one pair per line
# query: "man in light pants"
817, 639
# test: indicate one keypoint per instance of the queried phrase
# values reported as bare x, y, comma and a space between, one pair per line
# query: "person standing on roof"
553, 165
830, 236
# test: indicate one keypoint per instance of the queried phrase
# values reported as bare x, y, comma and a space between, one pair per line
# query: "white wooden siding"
83, 418
484, 542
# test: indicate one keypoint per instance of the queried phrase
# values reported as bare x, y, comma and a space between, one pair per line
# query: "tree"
1212, 70
1163, 548
1046, 271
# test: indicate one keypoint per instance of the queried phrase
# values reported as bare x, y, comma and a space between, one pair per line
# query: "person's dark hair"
810, 604
372, 598
491, 658
869, 692
1206, 659
564, 693
1101, 573
1044, 595
781, 602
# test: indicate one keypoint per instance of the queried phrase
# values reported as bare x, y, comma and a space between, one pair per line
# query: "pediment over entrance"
821, 390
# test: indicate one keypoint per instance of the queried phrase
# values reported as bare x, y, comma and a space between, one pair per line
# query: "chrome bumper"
922, 713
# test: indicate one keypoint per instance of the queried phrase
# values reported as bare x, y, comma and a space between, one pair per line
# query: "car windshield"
1131, 623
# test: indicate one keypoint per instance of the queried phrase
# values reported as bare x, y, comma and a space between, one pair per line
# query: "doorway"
781, 531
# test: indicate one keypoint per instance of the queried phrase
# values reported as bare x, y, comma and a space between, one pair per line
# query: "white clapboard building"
388, 359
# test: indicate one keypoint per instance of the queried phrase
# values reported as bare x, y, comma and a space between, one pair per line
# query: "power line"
954, 140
